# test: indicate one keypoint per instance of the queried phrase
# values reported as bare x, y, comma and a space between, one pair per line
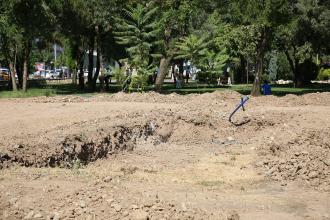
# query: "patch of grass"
192, 87
34, 92
244, 89
211, 183
76, 164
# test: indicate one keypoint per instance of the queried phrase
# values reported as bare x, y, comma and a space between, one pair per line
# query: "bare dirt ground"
152, 156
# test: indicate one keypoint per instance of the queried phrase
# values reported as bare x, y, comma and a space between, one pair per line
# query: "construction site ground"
153, 156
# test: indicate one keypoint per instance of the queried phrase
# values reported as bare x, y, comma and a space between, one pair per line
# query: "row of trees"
159, 33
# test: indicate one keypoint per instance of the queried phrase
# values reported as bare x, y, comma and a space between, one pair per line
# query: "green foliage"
324, 74
192, 48
195, 30
44, 54
205, 55
241, 41
211, 66
10, 32
66, 58
138, 83
175, 19
283, 67
272, 66
31, 93
304, 35
137, 30
35, 18
119, 74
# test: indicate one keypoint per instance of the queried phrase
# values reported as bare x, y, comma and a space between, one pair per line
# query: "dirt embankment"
197, 119
152, 156
305, 157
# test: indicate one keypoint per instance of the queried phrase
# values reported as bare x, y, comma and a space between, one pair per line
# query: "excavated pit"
78, 149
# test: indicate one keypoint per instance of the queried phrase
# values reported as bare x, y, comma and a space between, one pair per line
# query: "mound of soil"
305, 157
317, 99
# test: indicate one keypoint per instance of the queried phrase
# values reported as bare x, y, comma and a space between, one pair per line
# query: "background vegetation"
257, 40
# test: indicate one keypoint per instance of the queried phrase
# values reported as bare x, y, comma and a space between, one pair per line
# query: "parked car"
4, 74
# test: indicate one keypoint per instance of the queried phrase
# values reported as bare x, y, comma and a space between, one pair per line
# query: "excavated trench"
77, 149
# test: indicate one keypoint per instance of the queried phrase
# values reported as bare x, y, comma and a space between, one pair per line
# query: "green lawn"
68, 89
278, 90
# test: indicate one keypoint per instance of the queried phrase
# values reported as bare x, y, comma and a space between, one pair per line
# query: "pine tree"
204, 54
138, 30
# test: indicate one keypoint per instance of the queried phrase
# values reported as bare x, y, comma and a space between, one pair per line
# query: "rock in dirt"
107, 179
117, 207
29, 215
233, 216
230, 140
313, 175
56, 216
184, 207
13, 201
38, 215
139, 215
135, 207
82, 204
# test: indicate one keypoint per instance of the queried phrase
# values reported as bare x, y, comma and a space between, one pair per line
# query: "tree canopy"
259, 39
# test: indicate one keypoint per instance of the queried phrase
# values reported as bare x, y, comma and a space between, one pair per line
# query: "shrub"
119, 74
284, 71
139, 82
324, 74
208, 77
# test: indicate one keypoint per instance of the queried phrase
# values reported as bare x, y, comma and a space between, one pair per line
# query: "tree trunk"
12, 66
101, 70
297, 81
81, 60
75, 72
301, 72
294, 67
259, 65
19, 72
180, 65
173, 75
26, 56
101, 78
241, 74
12, 76
91, 62
257, 80
163, 71
98, 58
247, 72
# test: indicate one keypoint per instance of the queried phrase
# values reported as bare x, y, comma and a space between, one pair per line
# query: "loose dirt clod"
304, 156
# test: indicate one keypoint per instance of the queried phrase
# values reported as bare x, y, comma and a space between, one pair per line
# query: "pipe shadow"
241, 123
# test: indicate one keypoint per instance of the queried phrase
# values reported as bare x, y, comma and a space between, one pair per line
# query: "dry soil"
152, 156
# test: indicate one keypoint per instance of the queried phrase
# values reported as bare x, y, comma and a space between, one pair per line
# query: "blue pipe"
243, 101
